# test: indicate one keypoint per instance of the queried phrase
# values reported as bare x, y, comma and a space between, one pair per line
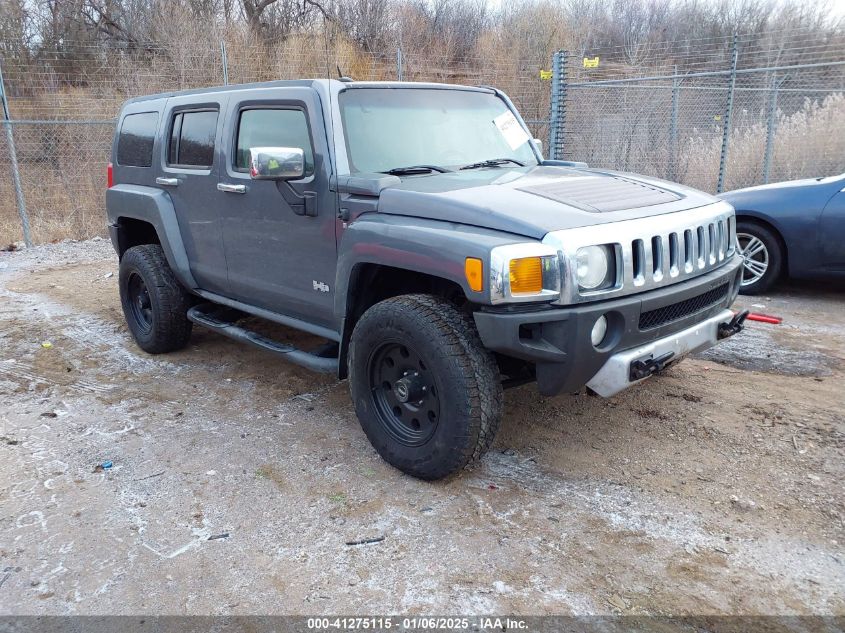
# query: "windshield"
387, 128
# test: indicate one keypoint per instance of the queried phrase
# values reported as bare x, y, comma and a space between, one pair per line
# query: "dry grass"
63, 165
807, 143
63, 176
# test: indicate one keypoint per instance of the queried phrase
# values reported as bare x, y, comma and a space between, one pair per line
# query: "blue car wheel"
762, 257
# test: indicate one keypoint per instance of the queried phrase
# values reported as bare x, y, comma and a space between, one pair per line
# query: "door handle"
167, 182
221, 186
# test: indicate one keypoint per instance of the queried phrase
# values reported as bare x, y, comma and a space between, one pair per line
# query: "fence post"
770, 126
726, 127
557, 107
673, 127
399, 64
13, 161
225, 61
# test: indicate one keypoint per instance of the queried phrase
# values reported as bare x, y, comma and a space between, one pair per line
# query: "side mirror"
539, 145
276, 163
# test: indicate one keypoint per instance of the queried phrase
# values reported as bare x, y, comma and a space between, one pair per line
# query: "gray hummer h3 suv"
417, 230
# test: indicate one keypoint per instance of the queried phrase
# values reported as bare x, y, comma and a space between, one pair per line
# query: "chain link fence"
689, 114
62, 107
715, 119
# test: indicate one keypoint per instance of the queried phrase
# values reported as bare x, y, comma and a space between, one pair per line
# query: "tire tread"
171, 327
475, 366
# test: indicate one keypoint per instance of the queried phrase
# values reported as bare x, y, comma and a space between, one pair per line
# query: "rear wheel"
762, 257
426, 391
154, 303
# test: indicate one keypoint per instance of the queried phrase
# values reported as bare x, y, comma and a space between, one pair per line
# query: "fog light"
599, 330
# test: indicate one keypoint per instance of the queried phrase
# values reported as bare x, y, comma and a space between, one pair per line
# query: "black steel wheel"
140, 303
404, 392
426, 391
154, 303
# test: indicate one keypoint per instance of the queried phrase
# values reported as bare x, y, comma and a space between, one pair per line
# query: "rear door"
188, 172
279, 236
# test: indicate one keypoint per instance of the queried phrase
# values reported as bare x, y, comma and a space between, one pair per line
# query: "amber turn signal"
473, 269
526, 275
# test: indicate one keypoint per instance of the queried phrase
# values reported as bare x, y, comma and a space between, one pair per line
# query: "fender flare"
434, 248
430, 247
154, 206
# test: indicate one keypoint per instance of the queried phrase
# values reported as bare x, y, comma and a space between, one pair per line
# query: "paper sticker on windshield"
511, 129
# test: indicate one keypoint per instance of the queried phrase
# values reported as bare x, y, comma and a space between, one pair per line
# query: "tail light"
110, 176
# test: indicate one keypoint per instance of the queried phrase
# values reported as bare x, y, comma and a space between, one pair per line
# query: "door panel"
832, 232
188, 172
279, 236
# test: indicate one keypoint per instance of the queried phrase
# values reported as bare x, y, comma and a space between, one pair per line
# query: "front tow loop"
734, 326
645, 367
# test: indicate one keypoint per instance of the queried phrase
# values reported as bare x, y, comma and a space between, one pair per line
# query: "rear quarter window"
135, 139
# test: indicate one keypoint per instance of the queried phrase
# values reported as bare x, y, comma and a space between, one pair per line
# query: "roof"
308, 83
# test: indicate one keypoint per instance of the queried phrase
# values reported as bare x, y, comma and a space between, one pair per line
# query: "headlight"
595, 267
524, 272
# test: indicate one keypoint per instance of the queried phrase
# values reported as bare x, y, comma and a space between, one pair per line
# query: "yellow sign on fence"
591, 62
545, 75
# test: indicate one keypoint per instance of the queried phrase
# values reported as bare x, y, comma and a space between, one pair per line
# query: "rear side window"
135, 141
273, 128
191, 141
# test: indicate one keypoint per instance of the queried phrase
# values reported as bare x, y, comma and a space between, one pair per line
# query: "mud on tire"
154, 303
427, 393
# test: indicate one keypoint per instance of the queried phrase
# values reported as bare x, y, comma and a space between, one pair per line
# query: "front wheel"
762, 257
426, 391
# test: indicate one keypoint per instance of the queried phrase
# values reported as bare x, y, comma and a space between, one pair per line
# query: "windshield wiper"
415, 169
493, 162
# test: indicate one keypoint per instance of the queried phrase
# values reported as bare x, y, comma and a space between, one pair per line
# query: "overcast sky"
837, 7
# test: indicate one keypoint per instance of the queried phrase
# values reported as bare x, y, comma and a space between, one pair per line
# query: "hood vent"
603, 194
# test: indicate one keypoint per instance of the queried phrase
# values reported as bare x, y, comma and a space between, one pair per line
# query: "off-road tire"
462, 373
167, 329
774, 252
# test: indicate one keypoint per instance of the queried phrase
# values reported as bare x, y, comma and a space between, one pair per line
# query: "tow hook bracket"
645, 367
734, 326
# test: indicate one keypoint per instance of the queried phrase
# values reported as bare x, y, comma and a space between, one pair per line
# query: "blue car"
794, 229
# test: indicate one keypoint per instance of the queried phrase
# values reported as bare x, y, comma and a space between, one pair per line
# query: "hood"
809, 194
532, 201
787, 184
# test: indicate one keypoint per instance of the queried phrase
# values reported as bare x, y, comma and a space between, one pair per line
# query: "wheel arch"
134, 232
135, 208
370, 283
753, 218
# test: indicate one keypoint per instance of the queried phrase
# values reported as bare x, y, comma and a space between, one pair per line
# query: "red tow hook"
735, 325
765, 318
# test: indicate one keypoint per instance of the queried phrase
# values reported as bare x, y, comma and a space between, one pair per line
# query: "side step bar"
214, 318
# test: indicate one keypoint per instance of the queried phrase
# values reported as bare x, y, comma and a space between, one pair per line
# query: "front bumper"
557, 340
615, 374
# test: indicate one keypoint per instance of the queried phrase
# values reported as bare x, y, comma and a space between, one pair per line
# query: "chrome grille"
679, 253
651, 252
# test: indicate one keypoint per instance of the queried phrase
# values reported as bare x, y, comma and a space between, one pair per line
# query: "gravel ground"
239, 482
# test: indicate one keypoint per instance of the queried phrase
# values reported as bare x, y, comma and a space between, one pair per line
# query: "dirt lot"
238, 480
